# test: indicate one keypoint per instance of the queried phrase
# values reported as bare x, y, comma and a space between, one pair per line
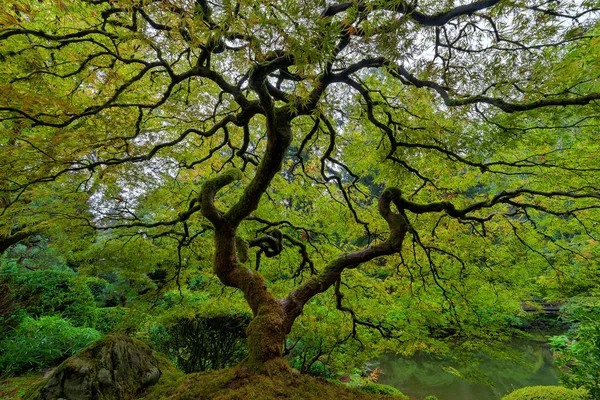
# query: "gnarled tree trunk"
273, 318
266, 335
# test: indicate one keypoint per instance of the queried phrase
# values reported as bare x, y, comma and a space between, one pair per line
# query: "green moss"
14, 388
266, 334
242, 247
113, 367
546, 393
225, 178
238, 384
378, 388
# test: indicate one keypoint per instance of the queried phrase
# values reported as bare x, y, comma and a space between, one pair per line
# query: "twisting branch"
306, 260
385, 330
505, 197
15, 237
398, 226
210, 189
410, 10
271, 245
509, 107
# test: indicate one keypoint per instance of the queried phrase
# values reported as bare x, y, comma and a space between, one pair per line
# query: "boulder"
113, 368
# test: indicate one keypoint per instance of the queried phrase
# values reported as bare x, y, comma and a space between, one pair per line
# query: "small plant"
43, 342
374, 375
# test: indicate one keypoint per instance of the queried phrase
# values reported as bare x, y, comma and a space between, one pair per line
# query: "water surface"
491, 378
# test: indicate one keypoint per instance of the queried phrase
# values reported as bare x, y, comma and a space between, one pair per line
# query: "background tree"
347, 131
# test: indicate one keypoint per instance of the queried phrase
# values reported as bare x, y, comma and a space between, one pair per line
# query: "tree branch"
398, 226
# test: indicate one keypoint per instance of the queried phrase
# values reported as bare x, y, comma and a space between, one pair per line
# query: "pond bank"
530, 363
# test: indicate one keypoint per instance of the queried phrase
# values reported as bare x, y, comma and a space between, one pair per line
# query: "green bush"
203, 342
378, 388
97, 286
50, 292
578, 352
546, 393
39, 343
10, 315
109, 318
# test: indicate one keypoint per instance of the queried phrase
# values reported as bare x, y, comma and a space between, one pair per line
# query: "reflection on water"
423, 375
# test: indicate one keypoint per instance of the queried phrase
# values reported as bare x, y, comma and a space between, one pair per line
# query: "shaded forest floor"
230, 384
235, 383
15, 387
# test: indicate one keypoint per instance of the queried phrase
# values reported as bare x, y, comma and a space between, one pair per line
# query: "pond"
490, 378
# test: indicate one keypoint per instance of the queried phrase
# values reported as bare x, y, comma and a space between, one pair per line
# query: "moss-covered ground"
14, 388
231, 384
237, 384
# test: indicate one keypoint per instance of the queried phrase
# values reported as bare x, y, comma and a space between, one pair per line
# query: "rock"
113, 368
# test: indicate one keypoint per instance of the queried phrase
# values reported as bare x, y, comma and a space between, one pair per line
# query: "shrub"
39, 343
50, 292
578, 352
203, 343
10, 315
109, 318
97, 286
309, 357
545, 393
378, 388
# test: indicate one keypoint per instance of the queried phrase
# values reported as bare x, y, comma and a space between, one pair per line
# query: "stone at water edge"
113, 368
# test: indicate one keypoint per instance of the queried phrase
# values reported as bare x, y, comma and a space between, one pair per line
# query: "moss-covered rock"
546, 393
239, 383
113, 368
378, 388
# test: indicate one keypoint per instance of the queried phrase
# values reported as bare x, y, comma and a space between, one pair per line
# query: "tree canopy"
294, 144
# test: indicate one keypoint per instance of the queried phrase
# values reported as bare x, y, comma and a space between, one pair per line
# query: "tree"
253, 124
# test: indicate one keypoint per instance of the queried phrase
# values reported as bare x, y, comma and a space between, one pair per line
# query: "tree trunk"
273, 318
267, 331
266, 335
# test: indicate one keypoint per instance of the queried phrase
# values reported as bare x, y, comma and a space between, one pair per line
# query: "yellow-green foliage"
546, 393
236, 384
